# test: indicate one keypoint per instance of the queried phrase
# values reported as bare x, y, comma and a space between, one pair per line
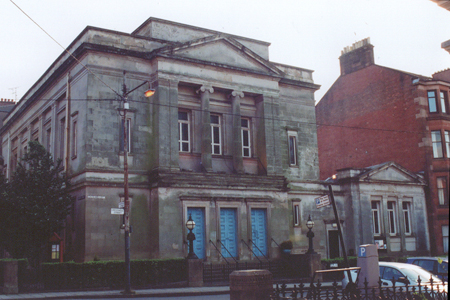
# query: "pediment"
391, 172
222, 51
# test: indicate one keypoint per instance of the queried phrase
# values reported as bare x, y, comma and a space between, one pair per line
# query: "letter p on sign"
362, 251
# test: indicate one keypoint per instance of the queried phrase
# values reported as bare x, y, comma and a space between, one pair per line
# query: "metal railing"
319, 291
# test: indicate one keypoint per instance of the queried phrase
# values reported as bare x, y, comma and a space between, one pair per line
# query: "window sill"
122, 154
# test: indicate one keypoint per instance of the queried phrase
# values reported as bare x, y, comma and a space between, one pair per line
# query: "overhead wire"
114, 91
65, 49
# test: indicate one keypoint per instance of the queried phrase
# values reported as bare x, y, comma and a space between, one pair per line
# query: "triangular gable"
390, 172
222, 50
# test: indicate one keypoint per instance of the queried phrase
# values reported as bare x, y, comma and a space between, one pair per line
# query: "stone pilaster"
206, 159
238, 163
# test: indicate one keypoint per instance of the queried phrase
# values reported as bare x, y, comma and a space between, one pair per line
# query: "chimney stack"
356, 57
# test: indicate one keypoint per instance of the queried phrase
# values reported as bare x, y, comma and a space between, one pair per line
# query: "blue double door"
228, 231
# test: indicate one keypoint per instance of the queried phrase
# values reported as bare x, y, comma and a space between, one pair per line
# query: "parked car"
436, 265
403, 274
408, 274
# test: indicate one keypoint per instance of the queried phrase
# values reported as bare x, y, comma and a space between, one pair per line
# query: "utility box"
368, 262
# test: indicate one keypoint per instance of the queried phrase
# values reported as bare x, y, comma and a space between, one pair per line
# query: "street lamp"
126, 208
190, 224
310, 235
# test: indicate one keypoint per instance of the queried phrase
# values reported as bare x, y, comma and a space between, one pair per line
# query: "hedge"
111, 274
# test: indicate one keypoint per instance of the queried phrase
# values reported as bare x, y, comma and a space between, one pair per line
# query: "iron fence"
319, 291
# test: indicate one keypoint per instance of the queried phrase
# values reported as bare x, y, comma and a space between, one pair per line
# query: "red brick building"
373, 114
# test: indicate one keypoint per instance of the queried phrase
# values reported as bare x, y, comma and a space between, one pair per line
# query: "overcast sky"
407, 34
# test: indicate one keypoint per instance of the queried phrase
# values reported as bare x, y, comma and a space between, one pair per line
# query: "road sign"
117, 211
121, 204
322, 201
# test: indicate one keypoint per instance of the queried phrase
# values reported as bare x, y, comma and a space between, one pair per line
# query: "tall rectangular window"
246, 138
216, 135
62, 138
432, 103
447, 143
48, 139
391, 209
296, 214
376, 218
406, 207
121, 138
184, 134
55, 252
74, 138
437, 144
292, 147
444, 102
442, 189
445, 237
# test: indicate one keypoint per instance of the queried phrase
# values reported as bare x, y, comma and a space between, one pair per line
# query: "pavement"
184, 291
156, 292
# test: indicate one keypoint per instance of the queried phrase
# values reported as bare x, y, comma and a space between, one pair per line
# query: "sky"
406, 34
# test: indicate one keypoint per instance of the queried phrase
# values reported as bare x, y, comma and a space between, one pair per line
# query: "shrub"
96, 274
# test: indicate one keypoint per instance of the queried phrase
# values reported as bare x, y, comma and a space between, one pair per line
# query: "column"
206, 160
238, 163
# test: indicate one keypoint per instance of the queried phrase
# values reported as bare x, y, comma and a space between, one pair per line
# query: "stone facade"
214, 136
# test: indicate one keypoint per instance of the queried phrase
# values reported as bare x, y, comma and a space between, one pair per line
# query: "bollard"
251, 285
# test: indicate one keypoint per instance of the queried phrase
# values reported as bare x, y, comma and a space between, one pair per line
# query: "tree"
34, 204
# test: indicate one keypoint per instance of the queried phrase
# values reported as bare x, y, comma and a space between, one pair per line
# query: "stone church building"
229, 138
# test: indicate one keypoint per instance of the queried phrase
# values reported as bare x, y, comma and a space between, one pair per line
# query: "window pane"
443, 104
447, 142
185, 147
246, 152
432, 101
445, 237
292, 152
437, 144
182, 116
216, 135
184, 132
442, 188
245, 140
244, 123
214, 119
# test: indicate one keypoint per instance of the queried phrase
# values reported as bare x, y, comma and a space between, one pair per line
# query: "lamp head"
190, 224
150, 92
310, 223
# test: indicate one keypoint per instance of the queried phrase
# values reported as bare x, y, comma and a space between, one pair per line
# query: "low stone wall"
251, 285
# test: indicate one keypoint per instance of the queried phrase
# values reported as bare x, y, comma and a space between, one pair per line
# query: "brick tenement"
377, 114
367, 118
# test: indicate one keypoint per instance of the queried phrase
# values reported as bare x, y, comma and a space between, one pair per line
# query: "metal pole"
341, 237
125, 188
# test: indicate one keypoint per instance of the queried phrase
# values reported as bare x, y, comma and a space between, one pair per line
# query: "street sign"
121, 204
322, 201
117, 211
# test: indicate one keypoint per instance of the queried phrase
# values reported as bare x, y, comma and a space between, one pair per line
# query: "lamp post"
126, 208
190, 224
310, 235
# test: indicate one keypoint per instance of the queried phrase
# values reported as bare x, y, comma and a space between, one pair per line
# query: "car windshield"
413, 275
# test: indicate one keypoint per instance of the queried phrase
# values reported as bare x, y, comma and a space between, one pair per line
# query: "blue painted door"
228, 232
259, 231
198, 215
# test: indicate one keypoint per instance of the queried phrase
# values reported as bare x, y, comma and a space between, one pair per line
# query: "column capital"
236, 93
205, 88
